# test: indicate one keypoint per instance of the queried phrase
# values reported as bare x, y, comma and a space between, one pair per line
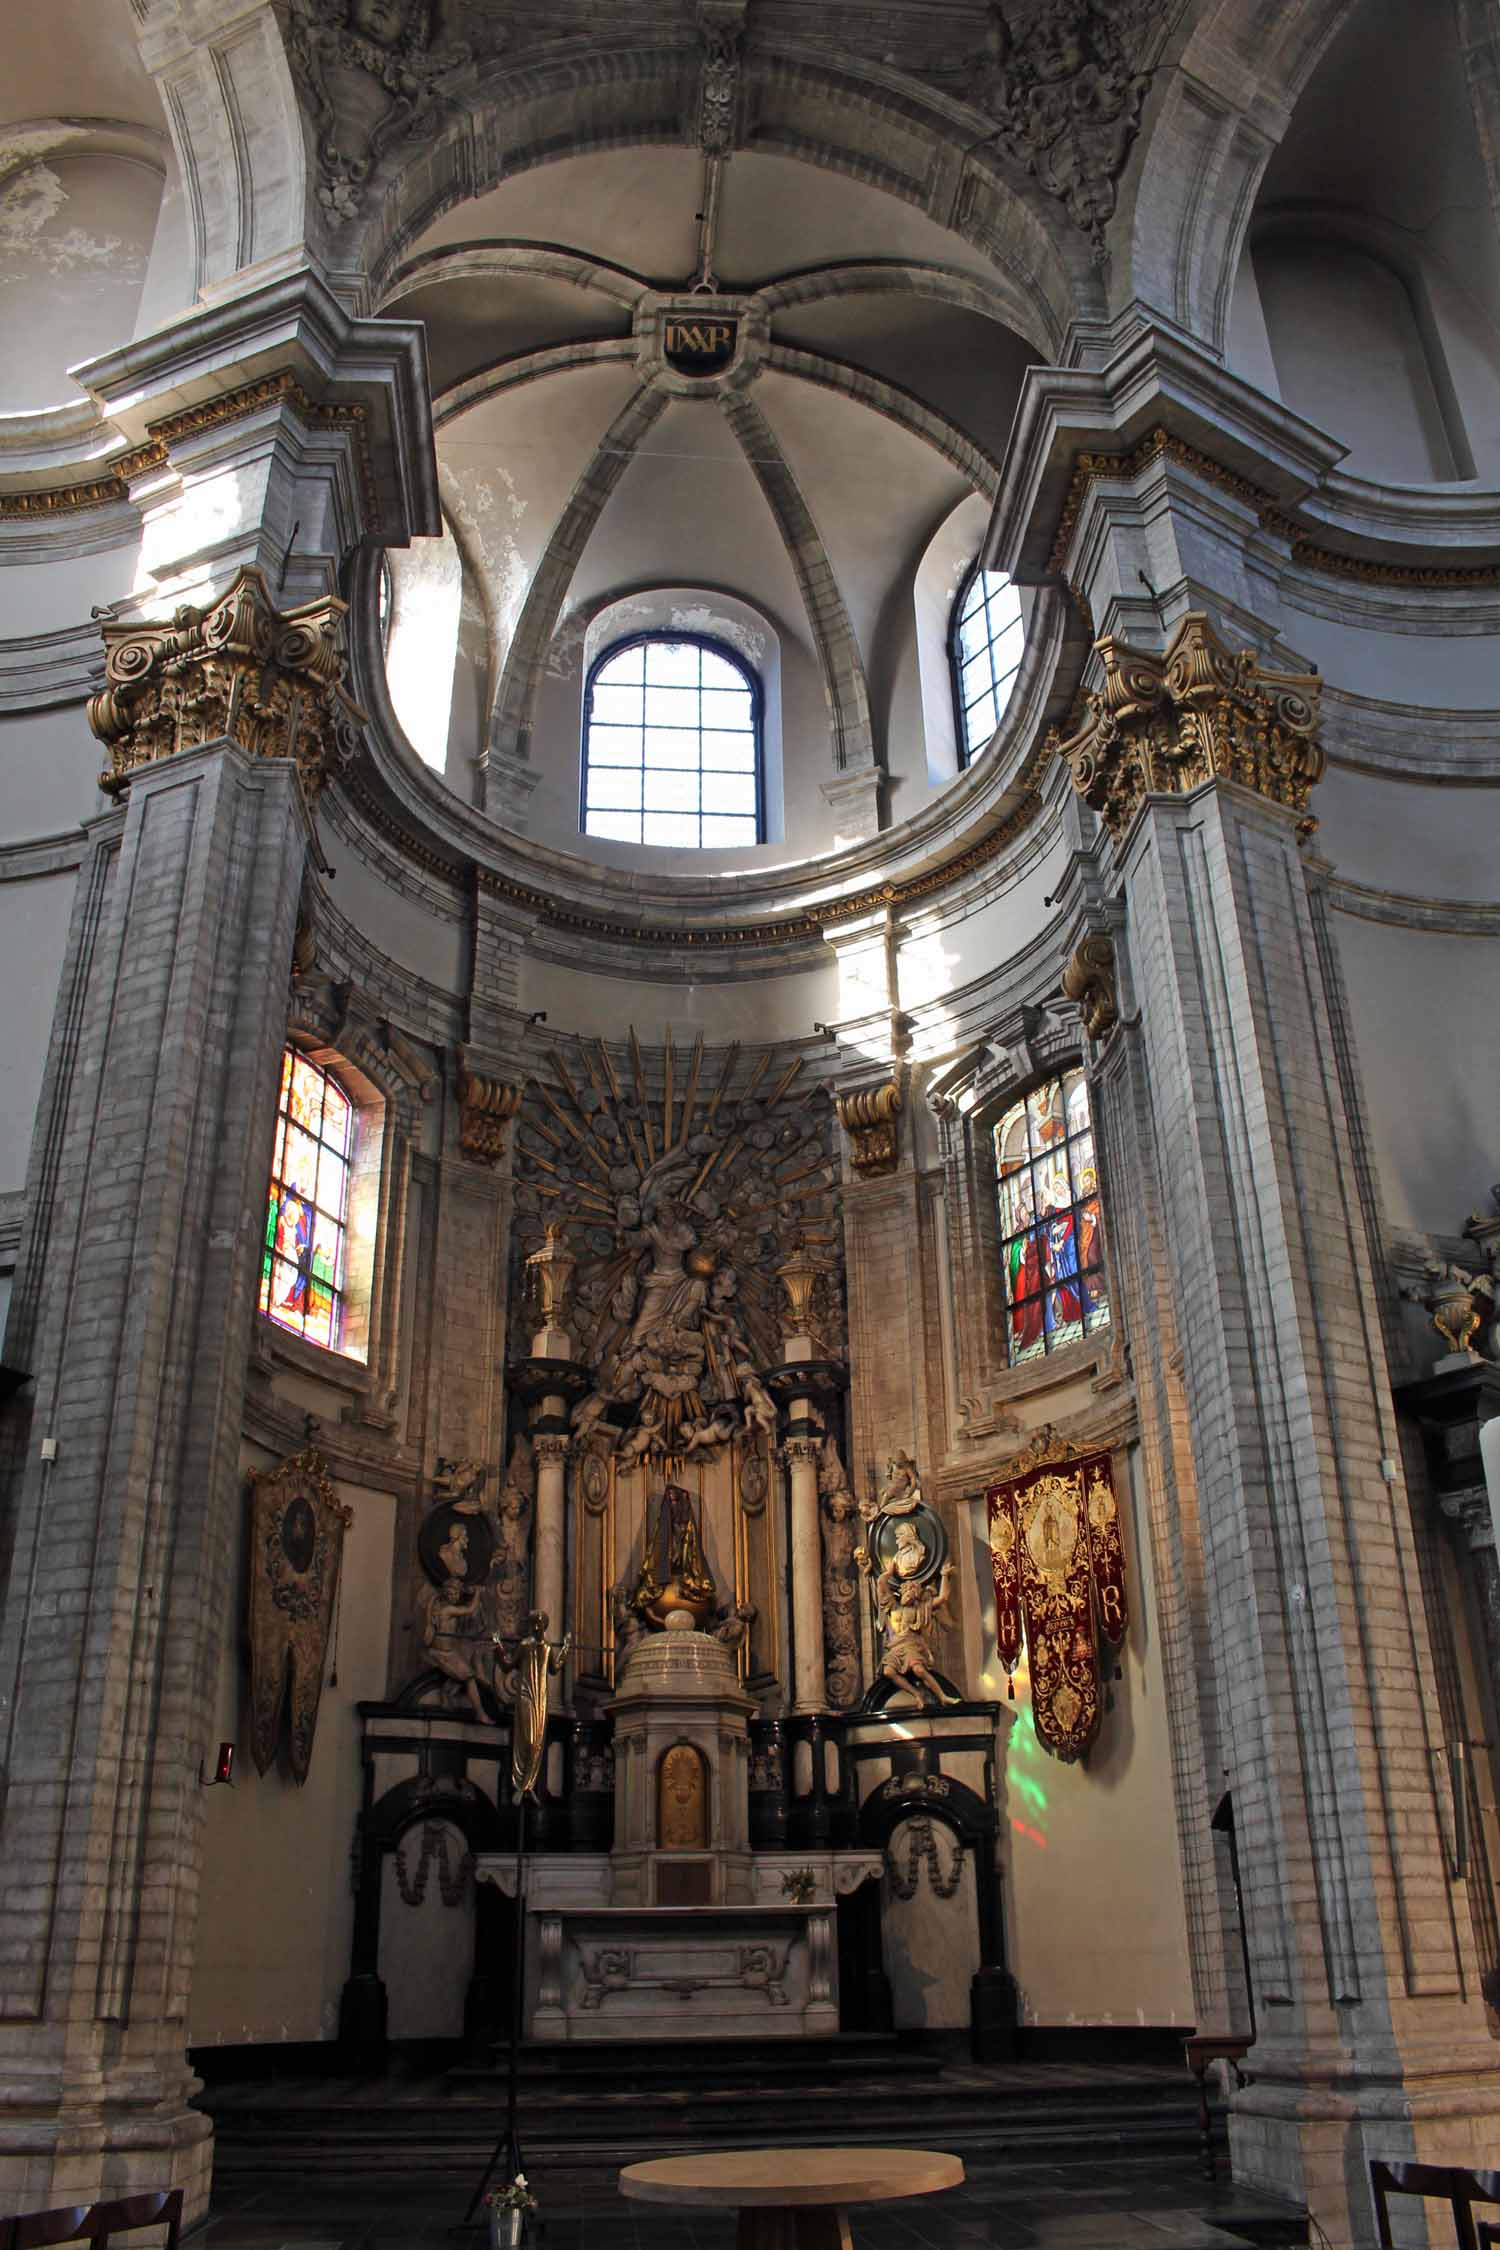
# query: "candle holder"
222, 1776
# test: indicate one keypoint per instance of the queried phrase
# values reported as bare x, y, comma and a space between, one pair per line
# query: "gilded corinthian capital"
1163, 725
238, 670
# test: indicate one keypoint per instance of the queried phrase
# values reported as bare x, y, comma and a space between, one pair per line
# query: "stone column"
139, 1267
1371, 2036
809, 1692
136, 1303
549, 1557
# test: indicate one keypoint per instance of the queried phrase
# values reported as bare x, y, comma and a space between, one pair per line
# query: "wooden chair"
37, 2229
96, 2223
1445, 2183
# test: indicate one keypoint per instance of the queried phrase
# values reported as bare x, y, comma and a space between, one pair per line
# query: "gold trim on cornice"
1089, 468
548, 908
212, 414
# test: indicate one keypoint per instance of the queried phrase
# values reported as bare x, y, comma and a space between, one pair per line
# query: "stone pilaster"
135, 1302
138, 1286
1371, 2034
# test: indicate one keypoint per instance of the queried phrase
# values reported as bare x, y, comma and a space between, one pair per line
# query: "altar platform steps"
582, 2114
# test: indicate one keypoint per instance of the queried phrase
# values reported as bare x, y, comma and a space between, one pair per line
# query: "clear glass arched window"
1052, 1237
986, 642
672, 745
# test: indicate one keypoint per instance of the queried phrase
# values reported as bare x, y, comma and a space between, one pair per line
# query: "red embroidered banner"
1059, 1568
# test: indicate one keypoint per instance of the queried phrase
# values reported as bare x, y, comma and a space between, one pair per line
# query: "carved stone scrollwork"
721, 25
373, 74
485, 1108
239, 670
1164, 725
1089, 979
872, 1121
1067, 87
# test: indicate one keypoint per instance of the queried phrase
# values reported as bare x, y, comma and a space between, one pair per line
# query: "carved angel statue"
901, 1493
731, 1625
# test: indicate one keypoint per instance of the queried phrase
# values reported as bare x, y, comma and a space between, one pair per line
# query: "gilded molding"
872, 1121
269, 680
1164, 725
1089, 979
211, 414
485, 1108
1160, 444
795, 926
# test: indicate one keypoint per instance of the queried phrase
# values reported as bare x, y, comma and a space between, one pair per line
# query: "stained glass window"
987, 640
671, 746
302, 1271
1052, 1237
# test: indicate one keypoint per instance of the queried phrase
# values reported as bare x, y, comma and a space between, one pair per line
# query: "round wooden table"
792, 2198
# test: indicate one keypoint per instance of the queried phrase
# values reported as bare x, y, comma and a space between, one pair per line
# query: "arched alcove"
1350, 354
76, 228
1368, 297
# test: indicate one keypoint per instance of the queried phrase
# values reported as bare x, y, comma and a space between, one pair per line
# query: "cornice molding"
1091, 468
156, 451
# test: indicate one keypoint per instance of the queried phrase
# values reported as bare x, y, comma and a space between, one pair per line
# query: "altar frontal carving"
1059, 1568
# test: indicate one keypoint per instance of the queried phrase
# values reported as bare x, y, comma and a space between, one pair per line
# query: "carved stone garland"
1163, 725
923, 1852
269, 680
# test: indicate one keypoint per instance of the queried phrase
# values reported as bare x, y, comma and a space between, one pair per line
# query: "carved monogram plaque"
698, 345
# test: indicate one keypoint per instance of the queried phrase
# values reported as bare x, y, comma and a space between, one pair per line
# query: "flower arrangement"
514, 2196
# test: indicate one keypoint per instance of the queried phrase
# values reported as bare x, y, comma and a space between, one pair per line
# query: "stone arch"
1042, 269
1226, 89
466, 261
241, 143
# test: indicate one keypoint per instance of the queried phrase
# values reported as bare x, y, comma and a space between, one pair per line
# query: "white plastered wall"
277, 1909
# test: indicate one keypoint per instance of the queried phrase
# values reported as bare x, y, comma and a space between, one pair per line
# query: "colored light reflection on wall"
1023, 1758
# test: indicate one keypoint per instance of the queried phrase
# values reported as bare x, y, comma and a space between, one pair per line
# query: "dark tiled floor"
1126, 2206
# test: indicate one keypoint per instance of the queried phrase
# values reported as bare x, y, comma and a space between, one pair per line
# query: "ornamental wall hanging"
296, 1544
1059, 1569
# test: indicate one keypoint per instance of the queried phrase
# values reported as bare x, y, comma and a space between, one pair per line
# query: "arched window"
985, 641
303, 1270
1052, 1240
671, 745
